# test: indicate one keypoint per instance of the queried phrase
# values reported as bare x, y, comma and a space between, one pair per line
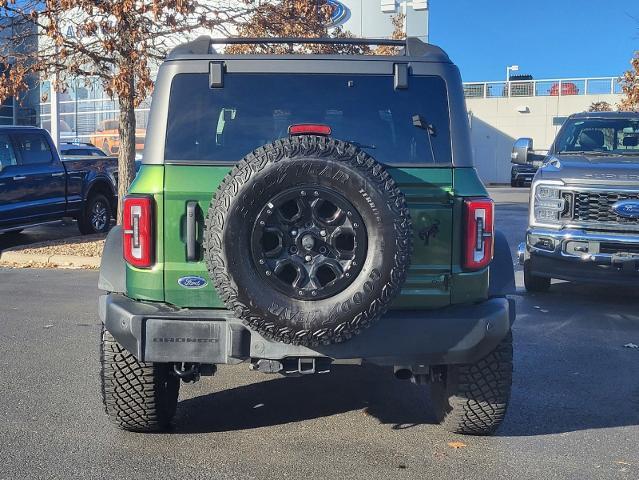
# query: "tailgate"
427, 192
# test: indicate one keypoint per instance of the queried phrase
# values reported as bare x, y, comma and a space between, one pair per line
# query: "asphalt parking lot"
574, 411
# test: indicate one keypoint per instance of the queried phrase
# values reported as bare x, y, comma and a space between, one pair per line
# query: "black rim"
309, 243
99, 217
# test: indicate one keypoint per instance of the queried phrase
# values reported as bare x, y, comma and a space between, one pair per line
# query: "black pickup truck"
38, 187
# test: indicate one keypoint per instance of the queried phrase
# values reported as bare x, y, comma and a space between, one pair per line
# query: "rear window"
224, 124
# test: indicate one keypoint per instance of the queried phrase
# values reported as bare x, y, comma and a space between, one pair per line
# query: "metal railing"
543, 88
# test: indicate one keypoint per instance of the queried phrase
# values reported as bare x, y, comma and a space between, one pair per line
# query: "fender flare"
95, 179
112, 267
501, 271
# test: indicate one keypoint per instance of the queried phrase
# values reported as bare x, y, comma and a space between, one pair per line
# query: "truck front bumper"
581, 255
155, 332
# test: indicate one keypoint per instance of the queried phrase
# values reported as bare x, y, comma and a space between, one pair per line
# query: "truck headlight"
551, 205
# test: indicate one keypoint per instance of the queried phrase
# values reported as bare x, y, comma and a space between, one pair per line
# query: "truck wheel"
137, 396
96, 215
535, 283
308, 240
472, 399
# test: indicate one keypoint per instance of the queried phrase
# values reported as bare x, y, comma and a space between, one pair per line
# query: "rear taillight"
479, 234
138, 231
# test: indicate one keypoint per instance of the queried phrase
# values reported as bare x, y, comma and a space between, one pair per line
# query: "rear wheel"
96, 215
472, 399
137, 396
535, 283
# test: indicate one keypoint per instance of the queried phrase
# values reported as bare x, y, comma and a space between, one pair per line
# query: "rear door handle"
59, 174
191, 231
19, 177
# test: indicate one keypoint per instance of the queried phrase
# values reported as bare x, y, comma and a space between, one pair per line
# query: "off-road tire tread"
137, 396
299, 147
478, 393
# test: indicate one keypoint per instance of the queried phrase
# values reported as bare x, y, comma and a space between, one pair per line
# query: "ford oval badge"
627, 208
192, 282
339, 13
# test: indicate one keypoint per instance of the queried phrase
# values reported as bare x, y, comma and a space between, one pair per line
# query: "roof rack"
411, 46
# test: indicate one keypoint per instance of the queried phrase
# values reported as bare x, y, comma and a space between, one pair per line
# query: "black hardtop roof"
412, 48
627, 114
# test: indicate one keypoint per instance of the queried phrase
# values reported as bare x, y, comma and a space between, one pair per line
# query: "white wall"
373, 18
496, 123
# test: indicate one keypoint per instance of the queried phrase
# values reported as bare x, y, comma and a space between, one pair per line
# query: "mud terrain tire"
321, 313
137, 396
472, 399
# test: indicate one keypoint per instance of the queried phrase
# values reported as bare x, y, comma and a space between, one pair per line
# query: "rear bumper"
584, 256
156, 332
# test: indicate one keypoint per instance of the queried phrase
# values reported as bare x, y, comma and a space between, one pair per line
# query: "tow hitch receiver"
293, 366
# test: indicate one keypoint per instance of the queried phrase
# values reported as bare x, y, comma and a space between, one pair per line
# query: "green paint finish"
185, 184
148, 284
466, 183
428, 194
435, 277
465, 286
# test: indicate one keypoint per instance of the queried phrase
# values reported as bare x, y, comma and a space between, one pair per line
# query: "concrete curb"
53, 261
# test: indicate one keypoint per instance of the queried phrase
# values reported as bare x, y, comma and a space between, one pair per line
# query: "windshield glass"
607, 136
251, 110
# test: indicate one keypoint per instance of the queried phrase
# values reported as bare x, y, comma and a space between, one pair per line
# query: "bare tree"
600, 107
630, 86
399, 33
294, 18
115, 41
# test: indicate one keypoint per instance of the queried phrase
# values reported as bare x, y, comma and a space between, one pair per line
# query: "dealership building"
498, 112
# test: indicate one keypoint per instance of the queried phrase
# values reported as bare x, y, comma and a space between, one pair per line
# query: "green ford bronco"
296, 212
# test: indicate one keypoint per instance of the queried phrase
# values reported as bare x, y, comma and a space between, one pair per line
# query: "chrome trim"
569, 223
601, 189
532, 221
566, 235
619, 227
521, 253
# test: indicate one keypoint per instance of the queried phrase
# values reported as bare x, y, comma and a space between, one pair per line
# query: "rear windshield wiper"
420, 122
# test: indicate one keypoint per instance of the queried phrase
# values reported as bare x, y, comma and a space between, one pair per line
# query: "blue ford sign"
192, 282
627, 208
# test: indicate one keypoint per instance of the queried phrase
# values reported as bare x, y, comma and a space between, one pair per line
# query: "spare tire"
308, 240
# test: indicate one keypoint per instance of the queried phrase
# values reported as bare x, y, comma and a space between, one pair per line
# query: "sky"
547, 39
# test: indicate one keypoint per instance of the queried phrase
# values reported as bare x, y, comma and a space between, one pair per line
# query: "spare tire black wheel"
308, 240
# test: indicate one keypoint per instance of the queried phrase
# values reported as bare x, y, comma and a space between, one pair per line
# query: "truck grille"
597, 207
